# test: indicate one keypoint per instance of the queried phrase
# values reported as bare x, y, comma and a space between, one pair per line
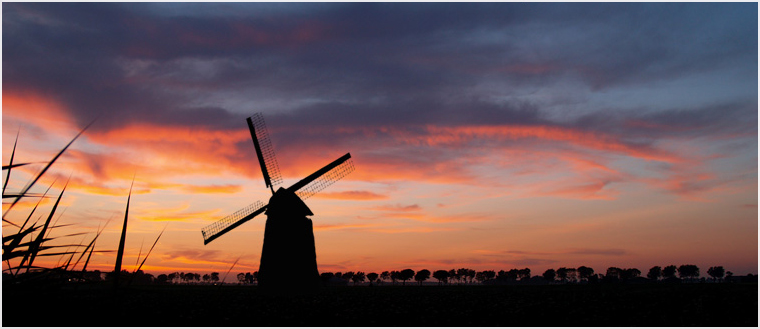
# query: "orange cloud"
413, 207
210, 189
350, 195
440, 136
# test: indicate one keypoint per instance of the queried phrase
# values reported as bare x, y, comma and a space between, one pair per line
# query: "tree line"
469, 276
462, 276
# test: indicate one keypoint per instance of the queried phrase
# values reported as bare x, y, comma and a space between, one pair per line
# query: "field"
545, 305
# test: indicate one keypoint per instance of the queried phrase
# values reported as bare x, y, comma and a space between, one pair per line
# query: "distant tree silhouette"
629, 273
339, 274
326, 276
385, 275
688, 271
358, 277
572, 274
524, 274
406, 275
395, 276
471, 274
162, 278
421, 276
442, 276
453, 275
549, 275
584, 273
562, 274
485, 275
654, 273
613, 274
372, 277
214, 277
669, 271
171, 277
729, 275
206, 278
462, 274
716, 272
248, 277
348, 276
241, 278
189, 277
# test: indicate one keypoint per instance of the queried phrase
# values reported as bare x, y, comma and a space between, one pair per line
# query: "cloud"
351, 195
398, 207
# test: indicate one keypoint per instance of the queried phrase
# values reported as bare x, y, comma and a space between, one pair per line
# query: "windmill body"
288, 256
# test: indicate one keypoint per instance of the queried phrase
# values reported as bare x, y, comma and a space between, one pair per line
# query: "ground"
542, 305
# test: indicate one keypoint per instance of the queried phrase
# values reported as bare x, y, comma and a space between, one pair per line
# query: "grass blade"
120, 253
26, 189
35, 248
148, 254
228, 271
10, 165
36, 205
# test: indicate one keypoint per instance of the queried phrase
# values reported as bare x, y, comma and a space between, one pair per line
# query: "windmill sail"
324, 177
305, 188
264, 151
230, 222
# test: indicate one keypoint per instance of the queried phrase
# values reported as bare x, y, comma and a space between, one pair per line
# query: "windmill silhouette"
288, 253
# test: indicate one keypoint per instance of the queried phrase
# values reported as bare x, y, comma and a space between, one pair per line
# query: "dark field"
555, 305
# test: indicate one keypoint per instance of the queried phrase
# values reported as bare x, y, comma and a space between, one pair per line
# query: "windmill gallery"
288, 256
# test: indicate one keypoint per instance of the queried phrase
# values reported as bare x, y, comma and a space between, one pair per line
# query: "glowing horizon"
473, 147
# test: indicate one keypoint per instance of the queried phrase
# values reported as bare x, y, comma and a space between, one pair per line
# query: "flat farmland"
410, 305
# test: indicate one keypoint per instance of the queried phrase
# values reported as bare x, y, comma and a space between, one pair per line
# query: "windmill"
304, 188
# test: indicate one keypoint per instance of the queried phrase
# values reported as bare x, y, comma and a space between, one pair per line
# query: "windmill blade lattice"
264, 150
226, 224
327, 179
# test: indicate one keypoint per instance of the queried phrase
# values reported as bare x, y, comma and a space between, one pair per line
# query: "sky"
490, 136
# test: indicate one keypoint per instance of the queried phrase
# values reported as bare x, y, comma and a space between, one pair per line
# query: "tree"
347, 276
406, 275
549, 275
524, 274
421, 276
206, 278
471, 274
372, 277
485, 275
669, 271
688, 271
395, 276
562, 274
462, 275
171, 277
613, 273
241, 278
248, 277
214, 276
585, 272
442, 276
358, 277
162, 278
386, 275
654, 273
629, 273
189, 277
716, 272
571, 274
453, 274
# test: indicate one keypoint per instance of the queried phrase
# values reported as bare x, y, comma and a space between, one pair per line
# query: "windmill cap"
286, 202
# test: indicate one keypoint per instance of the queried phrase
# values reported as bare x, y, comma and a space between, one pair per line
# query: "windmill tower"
288, 254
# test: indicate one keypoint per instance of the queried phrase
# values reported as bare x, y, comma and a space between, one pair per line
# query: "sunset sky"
490, 136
